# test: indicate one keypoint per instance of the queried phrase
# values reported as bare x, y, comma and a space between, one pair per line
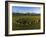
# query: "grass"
29, 22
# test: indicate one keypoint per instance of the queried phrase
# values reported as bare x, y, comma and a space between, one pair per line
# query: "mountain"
25, 14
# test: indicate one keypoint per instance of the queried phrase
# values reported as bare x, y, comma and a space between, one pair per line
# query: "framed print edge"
6, 18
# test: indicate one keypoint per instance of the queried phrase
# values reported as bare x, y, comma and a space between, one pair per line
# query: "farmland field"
25, 22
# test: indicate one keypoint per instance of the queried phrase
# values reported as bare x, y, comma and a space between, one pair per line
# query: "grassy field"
25, 22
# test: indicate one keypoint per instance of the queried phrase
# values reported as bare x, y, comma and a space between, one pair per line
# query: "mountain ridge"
25, 14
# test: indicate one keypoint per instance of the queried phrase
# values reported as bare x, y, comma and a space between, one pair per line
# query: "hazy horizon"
20, 9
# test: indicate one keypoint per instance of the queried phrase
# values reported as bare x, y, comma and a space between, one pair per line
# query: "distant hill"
26, 14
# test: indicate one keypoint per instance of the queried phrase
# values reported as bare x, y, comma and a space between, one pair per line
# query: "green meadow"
25, 22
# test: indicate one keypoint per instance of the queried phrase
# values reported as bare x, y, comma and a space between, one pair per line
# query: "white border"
24, 31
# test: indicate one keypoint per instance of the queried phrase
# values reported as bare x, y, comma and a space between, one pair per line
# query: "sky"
22, 9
